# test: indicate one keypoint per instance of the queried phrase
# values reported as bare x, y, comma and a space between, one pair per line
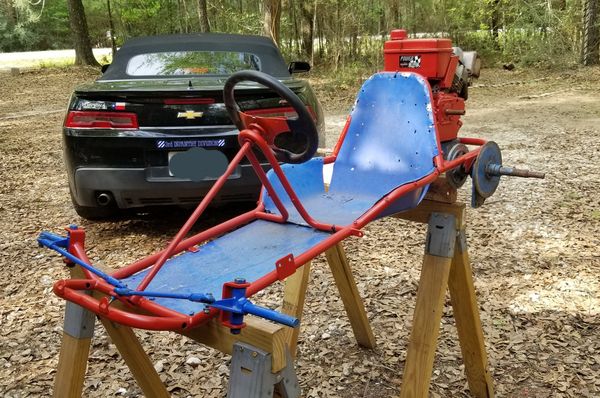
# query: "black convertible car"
163, 95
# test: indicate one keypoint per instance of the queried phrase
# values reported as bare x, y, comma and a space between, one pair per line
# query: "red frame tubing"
162, 318
72, 290
262, 176
254, 137
338, 145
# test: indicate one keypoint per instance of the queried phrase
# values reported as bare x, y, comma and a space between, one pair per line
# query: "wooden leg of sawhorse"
468, 323
136, 359
445, 265
342, 274
426, 326
252, 369
74, 352
294, 294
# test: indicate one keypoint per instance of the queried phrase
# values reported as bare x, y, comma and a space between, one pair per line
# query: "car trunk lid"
181, 103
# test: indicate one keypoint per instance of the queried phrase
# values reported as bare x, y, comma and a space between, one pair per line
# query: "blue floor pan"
249, 252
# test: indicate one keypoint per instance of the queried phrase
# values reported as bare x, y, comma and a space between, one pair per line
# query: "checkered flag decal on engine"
415, 62
410, 61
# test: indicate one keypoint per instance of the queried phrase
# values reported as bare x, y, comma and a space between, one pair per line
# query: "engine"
448, 69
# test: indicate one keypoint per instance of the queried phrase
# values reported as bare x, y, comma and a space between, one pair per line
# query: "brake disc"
457, 176
484, 184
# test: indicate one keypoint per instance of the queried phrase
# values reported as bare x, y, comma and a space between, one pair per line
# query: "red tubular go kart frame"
258, 133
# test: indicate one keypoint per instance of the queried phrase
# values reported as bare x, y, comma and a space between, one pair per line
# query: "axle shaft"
499, 170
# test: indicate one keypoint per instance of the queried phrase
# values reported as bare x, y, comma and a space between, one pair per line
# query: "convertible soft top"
272, 62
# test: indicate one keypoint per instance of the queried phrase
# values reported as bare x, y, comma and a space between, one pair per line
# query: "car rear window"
191, 63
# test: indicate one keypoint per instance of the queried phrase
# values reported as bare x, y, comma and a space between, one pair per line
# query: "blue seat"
390, 142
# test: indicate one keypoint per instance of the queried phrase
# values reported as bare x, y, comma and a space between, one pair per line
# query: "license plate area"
198, 164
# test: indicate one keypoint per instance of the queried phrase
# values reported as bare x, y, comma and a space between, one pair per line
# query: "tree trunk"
203, 16
111, 30
307, 28
314, 32
271, 19
297, 38
184, 17
495, 21
591, 33
81, 37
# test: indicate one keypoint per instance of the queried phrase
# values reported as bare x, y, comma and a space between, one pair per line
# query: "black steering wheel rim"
302, 127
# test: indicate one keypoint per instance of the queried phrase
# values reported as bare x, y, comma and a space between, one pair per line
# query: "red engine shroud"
433, 59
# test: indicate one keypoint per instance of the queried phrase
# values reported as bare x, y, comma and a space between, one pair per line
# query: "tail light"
101, 120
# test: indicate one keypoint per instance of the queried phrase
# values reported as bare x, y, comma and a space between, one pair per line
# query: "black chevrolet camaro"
162, 96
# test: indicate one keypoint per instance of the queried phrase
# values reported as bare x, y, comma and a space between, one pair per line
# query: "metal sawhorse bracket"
251, 375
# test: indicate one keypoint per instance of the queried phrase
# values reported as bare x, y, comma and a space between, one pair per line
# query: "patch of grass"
105, 59
56, 63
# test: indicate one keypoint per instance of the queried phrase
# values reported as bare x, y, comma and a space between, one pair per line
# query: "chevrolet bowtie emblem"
189, 115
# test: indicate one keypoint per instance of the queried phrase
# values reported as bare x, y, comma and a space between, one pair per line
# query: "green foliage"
43, 26
345, 32
231, 17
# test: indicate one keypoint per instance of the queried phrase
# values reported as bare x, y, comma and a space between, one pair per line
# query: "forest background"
333, 35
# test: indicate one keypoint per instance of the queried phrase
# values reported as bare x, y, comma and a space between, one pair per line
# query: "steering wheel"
302, 129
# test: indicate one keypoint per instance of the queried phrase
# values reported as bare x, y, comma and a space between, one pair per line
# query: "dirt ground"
533, 246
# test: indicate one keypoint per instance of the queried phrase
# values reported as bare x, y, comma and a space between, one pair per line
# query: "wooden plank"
422, 212
468, 323
426, 326
136, 359
72, 364
294, 294
342, 274
259, 333
441, 191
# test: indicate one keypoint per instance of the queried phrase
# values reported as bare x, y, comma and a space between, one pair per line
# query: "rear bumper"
152, 186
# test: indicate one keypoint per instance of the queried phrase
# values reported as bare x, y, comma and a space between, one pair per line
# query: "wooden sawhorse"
445, 266
264, 350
